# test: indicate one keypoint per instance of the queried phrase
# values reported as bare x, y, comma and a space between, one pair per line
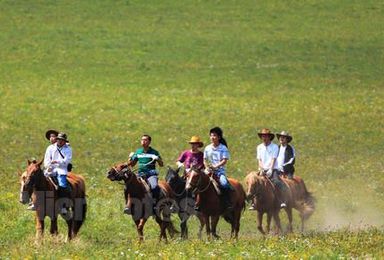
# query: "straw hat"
196, 140
266, 131
286, 134
49, 132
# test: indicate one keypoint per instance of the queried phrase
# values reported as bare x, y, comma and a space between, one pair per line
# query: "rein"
198, 183
179, 194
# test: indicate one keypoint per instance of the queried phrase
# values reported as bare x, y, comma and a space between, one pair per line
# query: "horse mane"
252, 178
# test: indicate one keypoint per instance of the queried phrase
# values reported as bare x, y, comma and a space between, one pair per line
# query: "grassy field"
105, 72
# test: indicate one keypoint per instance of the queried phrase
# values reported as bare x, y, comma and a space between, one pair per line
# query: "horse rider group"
273, 161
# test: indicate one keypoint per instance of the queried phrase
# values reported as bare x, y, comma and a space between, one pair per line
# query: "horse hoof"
261, 230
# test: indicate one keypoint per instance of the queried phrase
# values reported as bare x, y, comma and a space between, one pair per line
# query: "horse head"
172, 176
194, 179
29, 179
254, 185
119, 172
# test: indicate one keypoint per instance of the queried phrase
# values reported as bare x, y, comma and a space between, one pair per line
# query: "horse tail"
307, 203
241, 196
244, 195
82, 213
80, 202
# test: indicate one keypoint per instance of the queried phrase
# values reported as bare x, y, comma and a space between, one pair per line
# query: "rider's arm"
47, 157
160, 162
261, 166
132, 162
221, 163
206, 163
291, 155
181, 160
272, 163
67, 157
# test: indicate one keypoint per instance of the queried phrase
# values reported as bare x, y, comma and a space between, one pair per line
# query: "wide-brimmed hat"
51, 131
62, 136
266, 131
286, 134
196, 140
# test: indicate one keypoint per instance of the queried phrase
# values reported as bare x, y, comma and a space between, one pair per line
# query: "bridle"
177, 180
196, 189
124, 174
30, 184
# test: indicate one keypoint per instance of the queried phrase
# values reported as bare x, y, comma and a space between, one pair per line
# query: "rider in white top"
267, 153
216, 156
56, 159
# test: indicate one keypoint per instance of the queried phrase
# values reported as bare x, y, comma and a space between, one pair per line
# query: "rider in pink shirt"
192, 157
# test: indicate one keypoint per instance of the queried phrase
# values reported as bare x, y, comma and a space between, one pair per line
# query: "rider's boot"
227, 200
155, 196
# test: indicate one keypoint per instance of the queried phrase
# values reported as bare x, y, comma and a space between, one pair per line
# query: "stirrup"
173, 209
31, 207
229, 207
63, 211
127, 211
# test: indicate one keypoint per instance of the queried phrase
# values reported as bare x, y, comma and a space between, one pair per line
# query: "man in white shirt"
56, 160
266, 154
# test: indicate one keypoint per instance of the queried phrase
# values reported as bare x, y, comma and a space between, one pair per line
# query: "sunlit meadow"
106, 72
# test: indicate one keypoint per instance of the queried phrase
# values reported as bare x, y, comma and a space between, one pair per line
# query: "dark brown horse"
211, 207
184, 200
296, 195
141, 203
33, 182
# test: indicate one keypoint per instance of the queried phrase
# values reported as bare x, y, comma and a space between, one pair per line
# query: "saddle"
145, 184
148, 189
55, 183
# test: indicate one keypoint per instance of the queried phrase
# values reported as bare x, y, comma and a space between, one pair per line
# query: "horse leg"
139, 227
214, 221
276, 217
269, 219
202, 223
39, 228
53, 229
260, 222
162, 225
70, 228
208, 226
183, 225
236, 223
289, 214
302, 222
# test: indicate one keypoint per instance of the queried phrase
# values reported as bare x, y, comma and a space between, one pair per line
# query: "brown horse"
35, 184
137, 196
211, 207
296, 195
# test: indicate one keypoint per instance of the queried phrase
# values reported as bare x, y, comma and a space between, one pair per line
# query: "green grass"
106, 72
